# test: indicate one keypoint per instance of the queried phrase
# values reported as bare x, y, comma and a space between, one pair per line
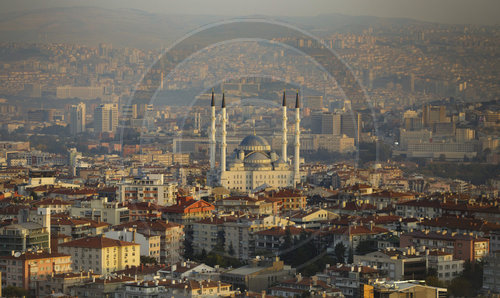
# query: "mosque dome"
254, 143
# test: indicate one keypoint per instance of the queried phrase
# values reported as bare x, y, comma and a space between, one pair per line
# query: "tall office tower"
433, 114
351, 125
77, 118
106, 118
411, 120
326, 123
105, 49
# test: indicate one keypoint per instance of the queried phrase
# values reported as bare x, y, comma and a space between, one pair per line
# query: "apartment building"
29, 270
101, 210
101, 255
149, 188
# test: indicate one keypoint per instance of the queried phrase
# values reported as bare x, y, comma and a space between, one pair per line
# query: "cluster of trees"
468, 284
303, 253
473, 172
217, 256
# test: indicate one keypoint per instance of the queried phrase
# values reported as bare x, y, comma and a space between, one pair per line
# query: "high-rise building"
326, 123
77, 118
433, 114
106, 118
351, 125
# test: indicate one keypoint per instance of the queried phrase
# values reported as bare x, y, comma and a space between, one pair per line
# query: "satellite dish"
17, 254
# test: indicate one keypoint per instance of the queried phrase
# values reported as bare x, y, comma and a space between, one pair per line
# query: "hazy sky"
446, 11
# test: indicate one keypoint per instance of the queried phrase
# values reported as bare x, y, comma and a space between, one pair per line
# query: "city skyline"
202, 149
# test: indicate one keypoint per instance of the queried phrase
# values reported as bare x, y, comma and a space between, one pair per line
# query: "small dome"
257, 158
254, 143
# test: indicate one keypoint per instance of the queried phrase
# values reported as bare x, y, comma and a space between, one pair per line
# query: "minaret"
283, 125
161, 81
212, 135
296, 166
223, 143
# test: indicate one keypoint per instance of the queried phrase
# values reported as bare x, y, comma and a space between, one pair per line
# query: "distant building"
77, 118
106, 118
82, 92
326, 123
433, 114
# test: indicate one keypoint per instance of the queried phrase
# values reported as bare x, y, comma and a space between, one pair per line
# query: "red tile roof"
96, 242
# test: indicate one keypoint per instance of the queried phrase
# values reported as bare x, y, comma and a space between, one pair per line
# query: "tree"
11, 291
460, 287
148, 260
350, 258
221, 241
364, 247
434, 281
286, 246
287, 243
339, 251
188, 246
231, 249
203, 255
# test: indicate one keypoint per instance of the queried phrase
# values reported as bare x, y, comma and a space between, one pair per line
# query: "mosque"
253, 165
